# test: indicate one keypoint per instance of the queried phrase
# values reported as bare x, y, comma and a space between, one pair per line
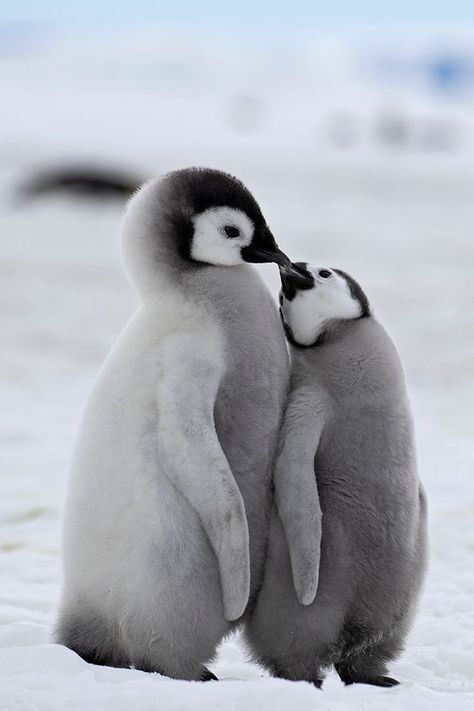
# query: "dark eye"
231, 231
324, 273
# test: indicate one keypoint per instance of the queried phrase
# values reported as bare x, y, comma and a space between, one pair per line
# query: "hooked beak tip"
283, 262
271, 255
292, 274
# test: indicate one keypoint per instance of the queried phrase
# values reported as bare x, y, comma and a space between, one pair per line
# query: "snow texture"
399, 219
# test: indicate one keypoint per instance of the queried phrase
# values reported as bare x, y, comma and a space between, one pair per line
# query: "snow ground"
402, 225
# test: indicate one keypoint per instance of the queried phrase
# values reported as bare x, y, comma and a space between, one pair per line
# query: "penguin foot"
385, 681
207, 675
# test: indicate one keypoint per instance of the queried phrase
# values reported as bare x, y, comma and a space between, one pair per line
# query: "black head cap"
202, 188
357, 292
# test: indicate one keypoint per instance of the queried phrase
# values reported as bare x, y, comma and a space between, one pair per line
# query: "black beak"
264, 248
295, 277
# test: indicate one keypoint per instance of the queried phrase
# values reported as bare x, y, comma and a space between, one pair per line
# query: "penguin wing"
193, 459
296, 491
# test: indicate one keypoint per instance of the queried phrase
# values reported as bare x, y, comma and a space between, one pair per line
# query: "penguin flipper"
296, 491
195, 463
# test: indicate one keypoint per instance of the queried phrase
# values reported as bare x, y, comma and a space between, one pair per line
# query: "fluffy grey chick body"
347, 550
168, 505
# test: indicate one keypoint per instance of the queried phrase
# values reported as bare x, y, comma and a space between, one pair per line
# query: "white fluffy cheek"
300, 317
211, 247
310, 311
339, 304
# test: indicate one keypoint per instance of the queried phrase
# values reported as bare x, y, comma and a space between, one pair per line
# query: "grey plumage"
351, 511
169, 500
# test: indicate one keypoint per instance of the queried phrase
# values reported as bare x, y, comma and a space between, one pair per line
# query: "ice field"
401, 220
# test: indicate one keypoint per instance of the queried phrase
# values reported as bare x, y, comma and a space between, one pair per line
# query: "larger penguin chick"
167, 513
345, 565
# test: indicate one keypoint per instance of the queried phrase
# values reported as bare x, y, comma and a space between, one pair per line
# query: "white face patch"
219, 235
330, 299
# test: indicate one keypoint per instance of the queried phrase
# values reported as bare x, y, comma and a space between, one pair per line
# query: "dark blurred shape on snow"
397, 129
438, 134
81, 182
393, 128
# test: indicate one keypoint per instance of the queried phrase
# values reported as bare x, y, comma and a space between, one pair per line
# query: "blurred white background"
353, 125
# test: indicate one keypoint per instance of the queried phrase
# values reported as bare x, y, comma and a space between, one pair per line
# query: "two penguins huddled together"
213, 488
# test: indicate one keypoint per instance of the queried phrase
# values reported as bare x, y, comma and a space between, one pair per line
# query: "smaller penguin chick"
315, 304
350, 540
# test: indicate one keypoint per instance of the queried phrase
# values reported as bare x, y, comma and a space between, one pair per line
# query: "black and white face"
220, 234
218, 221
321, 296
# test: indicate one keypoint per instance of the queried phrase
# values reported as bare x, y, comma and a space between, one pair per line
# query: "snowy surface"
402, 223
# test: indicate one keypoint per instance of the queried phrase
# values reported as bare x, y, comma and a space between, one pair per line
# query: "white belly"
125, 523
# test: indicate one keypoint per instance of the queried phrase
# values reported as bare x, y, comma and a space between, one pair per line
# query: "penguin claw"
207, 675
385, 681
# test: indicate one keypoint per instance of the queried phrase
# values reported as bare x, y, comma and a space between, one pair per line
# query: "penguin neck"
153, 265
327, 333
153, 269
151, 254
335, 330
150, 245
344, 354
161, 277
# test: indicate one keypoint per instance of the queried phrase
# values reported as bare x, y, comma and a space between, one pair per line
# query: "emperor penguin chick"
168, 505
347, 550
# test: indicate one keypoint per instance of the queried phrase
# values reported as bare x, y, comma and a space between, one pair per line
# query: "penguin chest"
250, 402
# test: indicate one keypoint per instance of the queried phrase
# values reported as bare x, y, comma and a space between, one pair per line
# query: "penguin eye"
324, 273
231, 231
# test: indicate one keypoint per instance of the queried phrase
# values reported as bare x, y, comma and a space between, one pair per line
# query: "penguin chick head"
217, 220
317, 301
189, 218
220, 222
